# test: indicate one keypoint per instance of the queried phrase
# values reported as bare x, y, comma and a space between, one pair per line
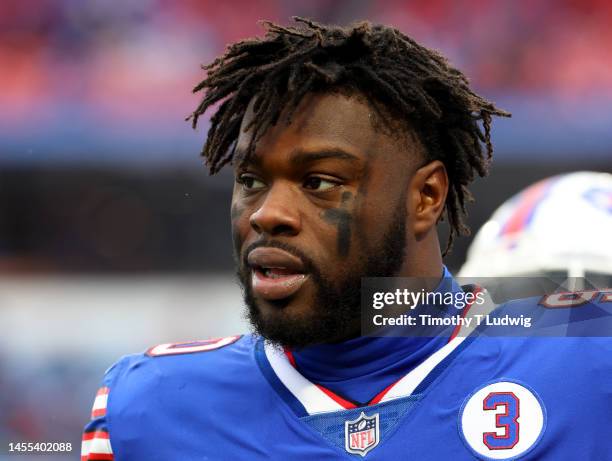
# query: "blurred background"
112, 236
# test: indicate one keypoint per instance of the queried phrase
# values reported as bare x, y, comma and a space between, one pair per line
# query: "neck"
424, 258
360, 367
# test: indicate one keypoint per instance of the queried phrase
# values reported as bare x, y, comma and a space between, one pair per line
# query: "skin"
328, 184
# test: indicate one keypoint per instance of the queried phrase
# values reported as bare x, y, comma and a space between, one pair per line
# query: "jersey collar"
316, 399
308, 398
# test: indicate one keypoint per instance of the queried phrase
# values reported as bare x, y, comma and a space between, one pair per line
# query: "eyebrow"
301, 158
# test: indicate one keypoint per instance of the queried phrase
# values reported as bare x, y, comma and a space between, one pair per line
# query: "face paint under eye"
342, 218
236, 213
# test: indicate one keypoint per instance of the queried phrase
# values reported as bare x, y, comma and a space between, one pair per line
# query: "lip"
275, 257
281, 286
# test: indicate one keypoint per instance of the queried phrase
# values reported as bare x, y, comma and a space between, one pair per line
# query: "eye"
250, 182
318, 183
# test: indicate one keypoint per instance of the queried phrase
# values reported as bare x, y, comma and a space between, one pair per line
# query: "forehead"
329, 120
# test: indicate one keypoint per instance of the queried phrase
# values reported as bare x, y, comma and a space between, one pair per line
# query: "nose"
278, 213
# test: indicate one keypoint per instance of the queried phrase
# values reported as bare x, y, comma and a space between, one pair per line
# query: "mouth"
275, 274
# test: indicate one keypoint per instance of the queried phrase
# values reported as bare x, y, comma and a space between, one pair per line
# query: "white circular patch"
502, 420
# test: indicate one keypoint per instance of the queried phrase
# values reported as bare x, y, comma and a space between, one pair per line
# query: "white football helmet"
559, 225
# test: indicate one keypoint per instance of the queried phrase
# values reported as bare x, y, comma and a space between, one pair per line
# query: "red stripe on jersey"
382, 393
99, 407
102, 391
290, 356
335, 397
97, 457
456, 330
98, 413
95, 435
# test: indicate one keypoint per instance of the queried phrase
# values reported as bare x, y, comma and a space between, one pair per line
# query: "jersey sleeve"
96, 443
133, 389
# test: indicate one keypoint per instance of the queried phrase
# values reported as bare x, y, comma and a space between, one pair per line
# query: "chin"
290, 324
315, 314
286, 313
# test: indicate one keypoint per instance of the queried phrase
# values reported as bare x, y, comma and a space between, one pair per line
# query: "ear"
427, 196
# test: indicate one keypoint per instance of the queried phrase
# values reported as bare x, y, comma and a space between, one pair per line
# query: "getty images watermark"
518, 306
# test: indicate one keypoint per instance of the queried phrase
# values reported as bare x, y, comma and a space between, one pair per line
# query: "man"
348, 146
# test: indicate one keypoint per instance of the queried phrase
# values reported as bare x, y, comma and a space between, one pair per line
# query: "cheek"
240, 225
373, 217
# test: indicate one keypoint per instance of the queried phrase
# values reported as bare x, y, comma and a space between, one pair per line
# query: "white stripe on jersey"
100, 402
316, 401
405, 386
98, 445
309, 395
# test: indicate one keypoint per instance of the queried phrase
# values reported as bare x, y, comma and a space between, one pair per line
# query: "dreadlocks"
396, 75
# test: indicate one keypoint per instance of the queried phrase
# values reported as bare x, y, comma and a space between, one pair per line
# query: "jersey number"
575, 299
191, 347
507, 419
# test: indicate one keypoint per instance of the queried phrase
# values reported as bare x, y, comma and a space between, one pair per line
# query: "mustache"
309, 265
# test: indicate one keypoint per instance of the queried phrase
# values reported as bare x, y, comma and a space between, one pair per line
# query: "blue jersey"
477, 397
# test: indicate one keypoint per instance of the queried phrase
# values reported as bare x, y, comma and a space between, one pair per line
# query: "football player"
348, 146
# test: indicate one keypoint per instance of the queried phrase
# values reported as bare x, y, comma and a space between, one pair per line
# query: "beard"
335, 313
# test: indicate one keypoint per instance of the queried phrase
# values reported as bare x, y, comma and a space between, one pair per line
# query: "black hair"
397, 76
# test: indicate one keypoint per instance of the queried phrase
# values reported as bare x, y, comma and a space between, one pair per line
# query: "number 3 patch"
502, 420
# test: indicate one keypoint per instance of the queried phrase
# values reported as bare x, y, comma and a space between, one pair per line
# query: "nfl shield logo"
361, 434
